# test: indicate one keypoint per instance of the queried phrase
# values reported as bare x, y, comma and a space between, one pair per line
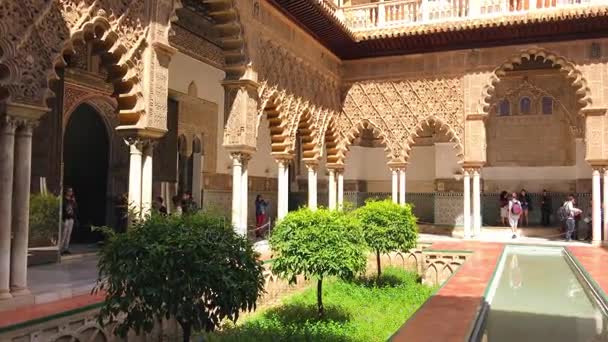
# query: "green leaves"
44, 219
318, 244
388, 226
193, 268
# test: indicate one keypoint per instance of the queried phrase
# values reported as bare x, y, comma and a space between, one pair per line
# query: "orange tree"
387, 227
317, 244
193, 268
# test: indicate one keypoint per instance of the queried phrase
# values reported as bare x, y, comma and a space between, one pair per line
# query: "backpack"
563, 213
516, 208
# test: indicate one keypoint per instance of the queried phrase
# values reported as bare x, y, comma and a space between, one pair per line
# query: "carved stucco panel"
475, 141
595, 136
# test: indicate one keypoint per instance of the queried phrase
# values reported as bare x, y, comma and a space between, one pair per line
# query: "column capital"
312, 166
139, 142
398, 166
240, 158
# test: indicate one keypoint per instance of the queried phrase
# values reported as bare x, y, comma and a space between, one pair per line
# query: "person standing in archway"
514, 213
68, 216
261, 206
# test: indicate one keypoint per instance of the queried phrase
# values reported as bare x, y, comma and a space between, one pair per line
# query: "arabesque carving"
397, 109
578, 81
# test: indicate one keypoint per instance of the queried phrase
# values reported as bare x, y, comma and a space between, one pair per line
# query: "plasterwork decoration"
570, 70
535, 93
197, 47
33, 47
398, 110
297, 98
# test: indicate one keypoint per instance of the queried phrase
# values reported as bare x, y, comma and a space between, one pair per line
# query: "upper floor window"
547, 104
524, 105
504, 108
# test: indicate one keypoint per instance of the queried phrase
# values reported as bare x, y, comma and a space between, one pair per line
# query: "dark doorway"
85, 157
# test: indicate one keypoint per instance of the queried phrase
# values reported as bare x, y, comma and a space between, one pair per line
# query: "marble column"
21, 208
244, 194
340, 174
283, 174
197, 175
7, 148
135, 174
237, 173
146, 178
402, 186
395, 185
605, 204
467, 204
331, 187
312, 185
476, 203
596, 209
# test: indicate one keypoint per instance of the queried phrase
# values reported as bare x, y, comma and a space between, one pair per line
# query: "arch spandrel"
32, 49
396, 108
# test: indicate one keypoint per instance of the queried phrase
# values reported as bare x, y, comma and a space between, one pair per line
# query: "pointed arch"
572, 73
331, 139
442, 126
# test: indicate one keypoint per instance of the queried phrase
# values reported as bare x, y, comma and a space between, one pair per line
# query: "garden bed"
354, 311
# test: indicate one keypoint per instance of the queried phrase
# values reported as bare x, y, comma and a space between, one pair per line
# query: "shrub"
319, 244
44, 219
387, 227
193, 268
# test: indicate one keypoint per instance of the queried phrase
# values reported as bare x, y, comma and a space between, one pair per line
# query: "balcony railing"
386, 14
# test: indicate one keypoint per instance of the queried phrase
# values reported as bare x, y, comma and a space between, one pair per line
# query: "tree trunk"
320, 296
187, 330
378, 263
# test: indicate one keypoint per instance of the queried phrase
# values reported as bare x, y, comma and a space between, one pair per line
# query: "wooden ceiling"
322, 24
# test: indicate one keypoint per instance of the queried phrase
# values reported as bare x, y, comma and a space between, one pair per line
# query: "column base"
598, 243
4, 295
20, 291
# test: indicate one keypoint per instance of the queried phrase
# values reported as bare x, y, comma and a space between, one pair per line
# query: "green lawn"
356, 311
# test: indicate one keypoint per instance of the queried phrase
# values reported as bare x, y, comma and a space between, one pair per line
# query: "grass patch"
355, 311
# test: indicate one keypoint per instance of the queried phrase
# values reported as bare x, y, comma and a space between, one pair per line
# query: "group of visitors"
515, 208
183, 204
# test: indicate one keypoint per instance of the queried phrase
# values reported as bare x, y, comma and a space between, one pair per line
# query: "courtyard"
213, 169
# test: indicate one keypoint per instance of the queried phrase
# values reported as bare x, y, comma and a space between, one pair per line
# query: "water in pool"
537, 296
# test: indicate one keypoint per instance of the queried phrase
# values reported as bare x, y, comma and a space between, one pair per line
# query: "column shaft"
312, 186
596, 213
395, 186
332, 189
7, 148
236, 191
476, 204
467, 205
135, 174
21, 209
146, 179
402, 186
283, 174
605, 205
340, 189
244, 195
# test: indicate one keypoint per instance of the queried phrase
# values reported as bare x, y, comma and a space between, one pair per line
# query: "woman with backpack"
515, 211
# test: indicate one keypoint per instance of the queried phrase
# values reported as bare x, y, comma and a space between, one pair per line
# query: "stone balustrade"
388, 14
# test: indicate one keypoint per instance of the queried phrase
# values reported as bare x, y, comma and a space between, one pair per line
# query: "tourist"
159, 206
572, 213
261, 206
503, 201
526, 206
188, 204
68, 216
515, 210
545, 208
177, 204
122, 212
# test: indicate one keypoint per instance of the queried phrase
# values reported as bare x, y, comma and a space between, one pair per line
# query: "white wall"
366, 163
262, 164
421, 165
185, 69
446, 160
